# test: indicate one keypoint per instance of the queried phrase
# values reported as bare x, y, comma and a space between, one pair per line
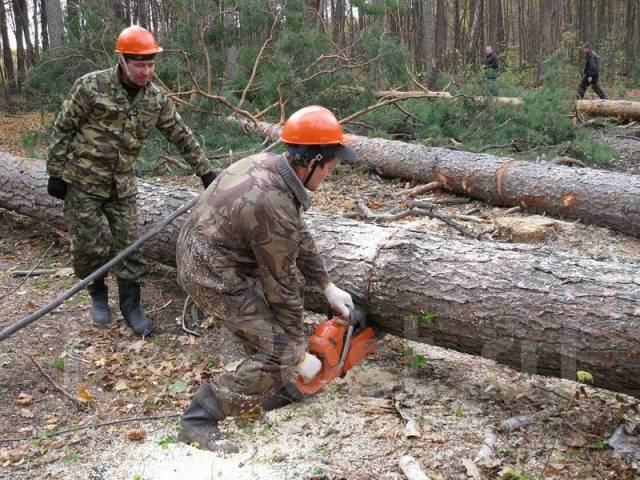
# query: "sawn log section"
592, 196
527, 307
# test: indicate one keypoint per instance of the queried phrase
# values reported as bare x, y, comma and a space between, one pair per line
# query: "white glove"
339, 300
309, 367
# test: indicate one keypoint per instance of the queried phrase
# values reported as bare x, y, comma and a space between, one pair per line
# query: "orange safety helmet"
316, 126
136, 40
312, 125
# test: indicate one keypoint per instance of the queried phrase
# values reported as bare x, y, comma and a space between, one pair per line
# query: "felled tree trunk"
610, 108
517, 102
592, 196
601, 108
530, 308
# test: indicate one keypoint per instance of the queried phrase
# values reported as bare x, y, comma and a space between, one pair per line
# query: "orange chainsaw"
339, 346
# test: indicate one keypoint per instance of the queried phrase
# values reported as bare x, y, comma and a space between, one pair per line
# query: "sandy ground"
351, 430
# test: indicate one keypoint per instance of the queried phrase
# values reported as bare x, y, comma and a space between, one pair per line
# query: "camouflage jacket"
98, 134
249, 224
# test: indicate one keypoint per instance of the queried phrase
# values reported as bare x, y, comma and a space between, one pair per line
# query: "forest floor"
351, 430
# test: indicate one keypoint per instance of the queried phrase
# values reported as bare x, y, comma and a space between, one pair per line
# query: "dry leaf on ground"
84, 394
25, 413
24, 399
136, 435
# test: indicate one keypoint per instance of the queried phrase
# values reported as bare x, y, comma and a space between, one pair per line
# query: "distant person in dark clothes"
591, 73
491, 69
490, 62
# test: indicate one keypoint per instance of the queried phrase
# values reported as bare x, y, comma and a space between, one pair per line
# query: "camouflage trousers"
271, 352
91, 246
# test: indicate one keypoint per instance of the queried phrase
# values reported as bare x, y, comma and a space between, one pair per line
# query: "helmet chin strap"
125, 66
314, 165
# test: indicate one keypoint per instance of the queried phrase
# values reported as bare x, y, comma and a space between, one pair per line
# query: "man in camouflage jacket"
244, 255
96, 139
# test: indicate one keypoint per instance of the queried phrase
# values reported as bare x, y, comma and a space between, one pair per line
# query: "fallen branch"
470, 218
510, 143
392, 217
368, 109
168, 158
157, 309
93, 425
419, 190
78, 403
569, 161
184, 313
629, 137
29, 273
511, 210
33, 273
451, 201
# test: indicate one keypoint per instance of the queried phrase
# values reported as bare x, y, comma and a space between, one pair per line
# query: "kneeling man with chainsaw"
244, 254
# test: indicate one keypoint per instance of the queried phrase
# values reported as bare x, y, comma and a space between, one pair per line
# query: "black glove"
57, 188
207, 178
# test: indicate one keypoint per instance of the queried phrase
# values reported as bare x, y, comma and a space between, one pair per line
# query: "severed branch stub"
515, 423
411, 429
411, 468
488, 446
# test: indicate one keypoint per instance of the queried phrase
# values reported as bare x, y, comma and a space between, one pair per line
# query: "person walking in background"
591, 73
491, 69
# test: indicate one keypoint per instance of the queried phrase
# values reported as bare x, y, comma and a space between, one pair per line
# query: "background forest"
272, 57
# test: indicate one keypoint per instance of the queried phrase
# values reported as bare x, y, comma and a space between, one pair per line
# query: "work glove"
207, 178
339, 300
57, 188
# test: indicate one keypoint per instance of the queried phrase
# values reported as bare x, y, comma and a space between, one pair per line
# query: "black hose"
7, 332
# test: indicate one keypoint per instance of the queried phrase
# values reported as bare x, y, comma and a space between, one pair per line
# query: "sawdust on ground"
350, 430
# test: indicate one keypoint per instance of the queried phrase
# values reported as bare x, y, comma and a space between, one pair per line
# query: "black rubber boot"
100, 311
129, 294
199, 424
285, 396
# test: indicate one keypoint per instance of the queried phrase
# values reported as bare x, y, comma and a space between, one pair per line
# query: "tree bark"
43, 25
442, 30
21, 56
54, 22
593, 196
7, 56
429, 40
527, 307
